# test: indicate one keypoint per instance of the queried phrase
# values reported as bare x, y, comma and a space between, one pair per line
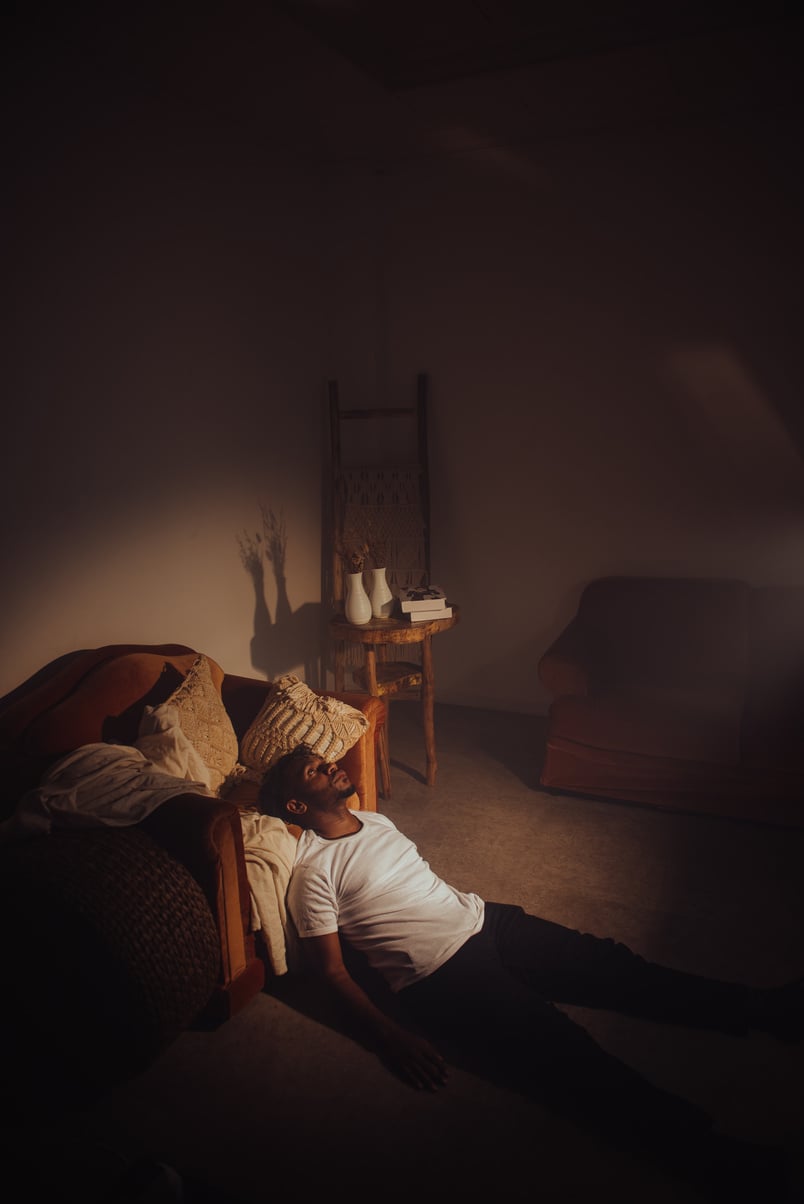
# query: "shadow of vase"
293, 638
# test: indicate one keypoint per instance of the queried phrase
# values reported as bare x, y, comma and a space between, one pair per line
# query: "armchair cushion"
684, 724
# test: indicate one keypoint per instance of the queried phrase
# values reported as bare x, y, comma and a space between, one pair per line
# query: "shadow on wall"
293, 637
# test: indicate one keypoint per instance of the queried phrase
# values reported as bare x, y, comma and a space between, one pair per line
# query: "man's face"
319, 783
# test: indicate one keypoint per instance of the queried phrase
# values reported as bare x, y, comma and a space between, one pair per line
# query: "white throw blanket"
270, 851
111, 784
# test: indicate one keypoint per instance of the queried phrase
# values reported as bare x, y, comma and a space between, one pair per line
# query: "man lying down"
469, 974
485, 977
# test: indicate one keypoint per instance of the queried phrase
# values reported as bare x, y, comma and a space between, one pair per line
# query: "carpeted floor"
280, 1102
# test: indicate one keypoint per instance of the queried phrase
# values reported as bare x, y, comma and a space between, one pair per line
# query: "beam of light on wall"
726, 405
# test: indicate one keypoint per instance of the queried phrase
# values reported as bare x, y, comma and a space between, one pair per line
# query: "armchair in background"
680, 693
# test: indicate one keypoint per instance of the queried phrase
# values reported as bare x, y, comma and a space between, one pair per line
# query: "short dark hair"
274, 790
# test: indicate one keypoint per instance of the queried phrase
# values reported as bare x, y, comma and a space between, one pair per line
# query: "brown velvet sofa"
680, 693
117, 939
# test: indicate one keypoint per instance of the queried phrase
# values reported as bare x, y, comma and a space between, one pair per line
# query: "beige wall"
597, 264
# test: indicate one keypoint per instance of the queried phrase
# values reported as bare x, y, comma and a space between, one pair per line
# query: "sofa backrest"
646, 631
99, 694
94, 695
57, 680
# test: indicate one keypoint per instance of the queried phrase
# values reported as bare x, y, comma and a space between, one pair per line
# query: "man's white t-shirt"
375, 888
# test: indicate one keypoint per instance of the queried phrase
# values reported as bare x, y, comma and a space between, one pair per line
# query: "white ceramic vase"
358, 603
382, 600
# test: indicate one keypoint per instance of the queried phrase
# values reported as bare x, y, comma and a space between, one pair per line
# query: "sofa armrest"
565, 667
205, 835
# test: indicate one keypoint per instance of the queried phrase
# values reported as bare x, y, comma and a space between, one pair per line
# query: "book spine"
424, 616
410, 608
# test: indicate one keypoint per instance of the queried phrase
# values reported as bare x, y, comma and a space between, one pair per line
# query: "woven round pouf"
111, 949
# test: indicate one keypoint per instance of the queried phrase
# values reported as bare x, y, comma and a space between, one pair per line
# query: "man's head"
301, 786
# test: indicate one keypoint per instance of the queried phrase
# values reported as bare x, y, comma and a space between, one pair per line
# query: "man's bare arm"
414, 1058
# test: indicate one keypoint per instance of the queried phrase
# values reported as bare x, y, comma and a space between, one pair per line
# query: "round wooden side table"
380, 675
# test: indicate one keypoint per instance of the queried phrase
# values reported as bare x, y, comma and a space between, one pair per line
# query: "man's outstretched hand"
413, 1058
410, 1056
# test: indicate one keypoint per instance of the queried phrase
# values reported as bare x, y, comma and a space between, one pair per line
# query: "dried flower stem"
354, 556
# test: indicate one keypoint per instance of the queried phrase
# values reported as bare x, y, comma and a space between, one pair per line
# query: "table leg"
428, 721
385, 757
371, 670
383, 741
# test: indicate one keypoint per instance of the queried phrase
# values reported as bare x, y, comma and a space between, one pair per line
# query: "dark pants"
495, 999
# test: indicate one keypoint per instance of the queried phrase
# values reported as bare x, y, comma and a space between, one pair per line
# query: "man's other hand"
414, 1059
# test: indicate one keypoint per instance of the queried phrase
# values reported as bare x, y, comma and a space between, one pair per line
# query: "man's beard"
347, 791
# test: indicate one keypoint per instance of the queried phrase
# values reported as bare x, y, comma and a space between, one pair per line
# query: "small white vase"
358, 603
382, 600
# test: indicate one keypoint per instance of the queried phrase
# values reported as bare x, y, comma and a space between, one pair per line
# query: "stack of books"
422, 603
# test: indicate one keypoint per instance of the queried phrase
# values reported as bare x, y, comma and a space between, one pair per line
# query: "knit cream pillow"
293, 714
205, 721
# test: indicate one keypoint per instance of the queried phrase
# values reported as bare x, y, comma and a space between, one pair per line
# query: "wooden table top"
394, 630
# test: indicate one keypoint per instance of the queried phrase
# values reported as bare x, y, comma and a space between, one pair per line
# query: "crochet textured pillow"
293, 714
